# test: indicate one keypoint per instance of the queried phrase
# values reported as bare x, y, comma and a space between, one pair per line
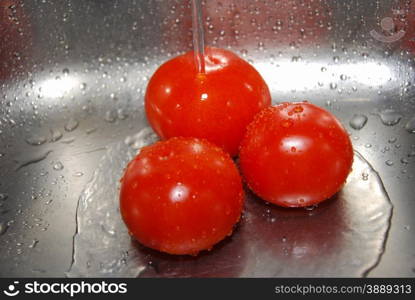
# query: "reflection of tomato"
181, 196
405, 20
14, 36
299, 237
227, 260
296, 154
217, 106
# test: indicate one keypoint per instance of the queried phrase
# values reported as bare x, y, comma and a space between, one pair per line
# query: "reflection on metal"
104, 53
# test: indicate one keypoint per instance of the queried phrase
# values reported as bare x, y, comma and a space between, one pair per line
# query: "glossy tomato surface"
216, 106
296, 155
181, 196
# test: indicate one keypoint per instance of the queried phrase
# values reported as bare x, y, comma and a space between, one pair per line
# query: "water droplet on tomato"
287, 123
298, 109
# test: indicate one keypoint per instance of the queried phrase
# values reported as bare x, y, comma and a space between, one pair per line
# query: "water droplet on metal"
404, 161
68, 140
358, 121
3, 227
33, 244
410, 126
111, 116
58, 166
390, 117
36, 140
71, 125
392, 140
56, 135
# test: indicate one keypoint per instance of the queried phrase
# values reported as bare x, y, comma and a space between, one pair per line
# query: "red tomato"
181, 196
296, 154
216, 106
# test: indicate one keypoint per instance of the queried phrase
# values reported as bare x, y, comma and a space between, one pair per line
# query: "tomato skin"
216, 106
296, 155
181, 196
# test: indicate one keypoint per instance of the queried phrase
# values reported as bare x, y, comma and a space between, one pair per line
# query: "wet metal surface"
73, 73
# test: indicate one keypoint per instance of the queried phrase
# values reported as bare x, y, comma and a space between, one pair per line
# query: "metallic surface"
80, 68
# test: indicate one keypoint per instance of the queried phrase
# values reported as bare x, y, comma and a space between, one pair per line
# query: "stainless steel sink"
73, 74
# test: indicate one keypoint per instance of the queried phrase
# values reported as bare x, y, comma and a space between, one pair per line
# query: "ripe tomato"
216, 106
181, 196
295, 155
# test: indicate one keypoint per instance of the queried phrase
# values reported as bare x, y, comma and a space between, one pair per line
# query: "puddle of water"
343, 237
